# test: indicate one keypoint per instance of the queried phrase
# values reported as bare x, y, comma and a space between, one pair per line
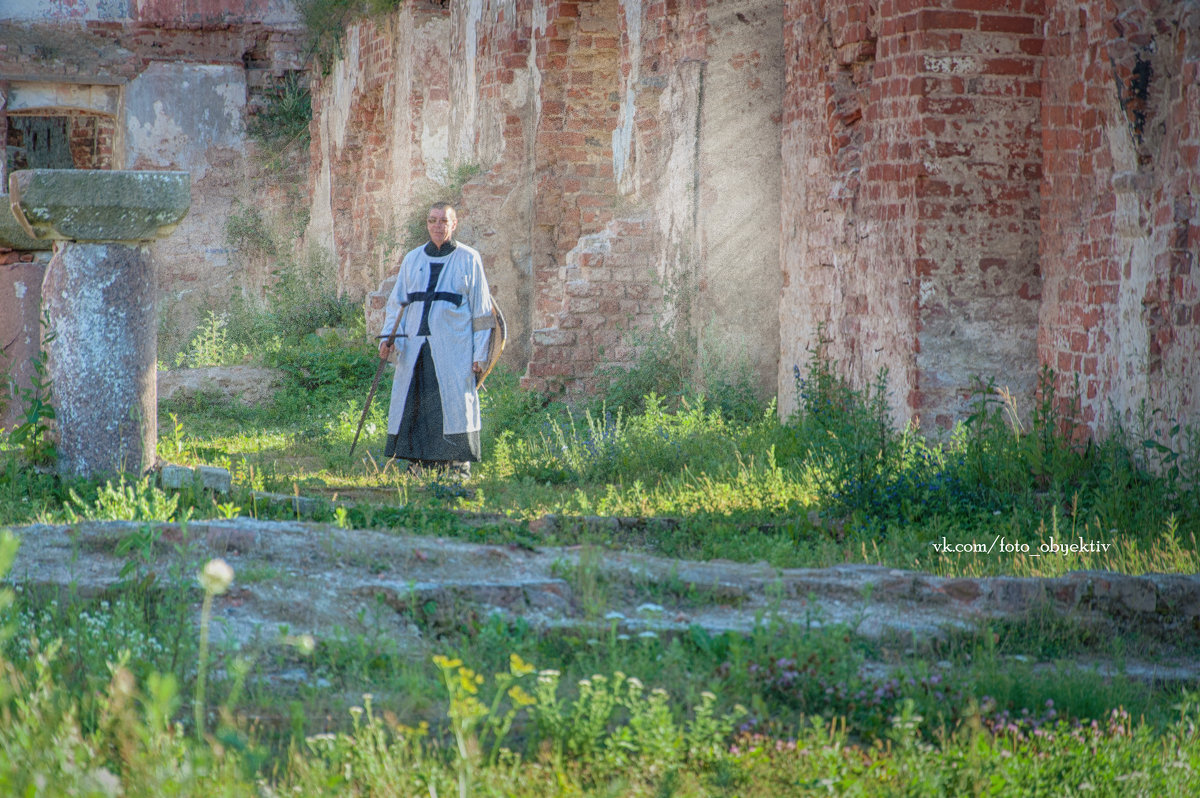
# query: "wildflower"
304, 644
216, 576
520, 697
518, 666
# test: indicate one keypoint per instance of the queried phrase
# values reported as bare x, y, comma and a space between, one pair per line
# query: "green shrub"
283, 121
211, 345
326, 22
324, 371
672, 365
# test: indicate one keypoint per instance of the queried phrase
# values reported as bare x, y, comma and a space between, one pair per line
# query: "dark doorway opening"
74, 141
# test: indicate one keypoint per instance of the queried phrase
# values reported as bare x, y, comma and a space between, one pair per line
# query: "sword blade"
367, 405
391, 339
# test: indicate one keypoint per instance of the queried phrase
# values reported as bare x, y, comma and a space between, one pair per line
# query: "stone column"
99, 294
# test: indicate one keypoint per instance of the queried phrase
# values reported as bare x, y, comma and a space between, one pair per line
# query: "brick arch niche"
74, 140
59, 126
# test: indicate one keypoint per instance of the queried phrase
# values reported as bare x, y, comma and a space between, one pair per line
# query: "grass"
506, 709
102, 695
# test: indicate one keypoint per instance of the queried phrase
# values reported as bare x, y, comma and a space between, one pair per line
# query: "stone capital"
97, 205
13, 235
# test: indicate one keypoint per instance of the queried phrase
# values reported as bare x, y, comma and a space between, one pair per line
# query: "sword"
391, 339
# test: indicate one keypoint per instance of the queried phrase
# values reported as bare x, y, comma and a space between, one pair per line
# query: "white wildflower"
216, 576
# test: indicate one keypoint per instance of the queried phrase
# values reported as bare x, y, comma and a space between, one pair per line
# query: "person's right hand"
386, 349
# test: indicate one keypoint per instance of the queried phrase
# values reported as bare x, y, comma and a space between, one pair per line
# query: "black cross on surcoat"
431, 294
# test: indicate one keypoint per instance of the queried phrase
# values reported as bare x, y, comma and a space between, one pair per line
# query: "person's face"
441, 223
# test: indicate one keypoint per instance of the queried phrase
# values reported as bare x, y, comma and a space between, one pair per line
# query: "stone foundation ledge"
250, 385
316, 578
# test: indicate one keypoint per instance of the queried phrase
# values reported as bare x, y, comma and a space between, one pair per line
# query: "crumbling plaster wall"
628, 156
191, 117
381, 117
175, 81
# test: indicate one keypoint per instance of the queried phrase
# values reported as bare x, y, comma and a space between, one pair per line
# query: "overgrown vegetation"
300, 299
32, 433
93, 705
281, 124
326, 22
125, 693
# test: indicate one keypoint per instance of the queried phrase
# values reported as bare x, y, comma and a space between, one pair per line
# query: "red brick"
999, 23
1031, 46
986, 5
930, 19
1009, 66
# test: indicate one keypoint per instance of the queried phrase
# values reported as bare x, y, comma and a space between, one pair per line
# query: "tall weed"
990, 472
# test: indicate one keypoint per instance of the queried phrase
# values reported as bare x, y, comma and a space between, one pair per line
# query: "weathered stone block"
97, 205
13, 234
174, 477
177, 477
218, 480
249, 385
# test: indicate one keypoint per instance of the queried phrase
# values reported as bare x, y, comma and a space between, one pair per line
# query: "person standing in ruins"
446, 320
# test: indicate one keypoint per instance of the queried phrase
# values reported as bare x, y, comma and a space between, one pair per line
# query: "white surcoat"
453, 339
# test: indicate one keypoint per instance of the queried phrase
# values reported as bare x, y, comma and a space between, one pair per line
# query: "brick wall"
578, 56
963, 187
1119, 218
599, 283
627, 155
371, 154
849, 229
359, 170
984, 187
20, 332
911, 161
93, 140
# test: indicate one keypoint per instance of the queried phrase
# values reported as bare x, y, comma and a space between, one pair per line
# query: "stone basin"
98, 205
13, 235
